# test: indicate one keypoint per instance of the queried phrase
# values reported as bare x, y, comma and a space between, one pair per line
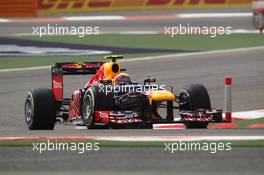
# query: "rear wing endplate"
70, 68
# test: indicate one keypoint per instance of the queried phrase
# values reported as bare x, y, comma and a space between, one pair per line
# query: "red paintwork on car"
76, 97
57, 86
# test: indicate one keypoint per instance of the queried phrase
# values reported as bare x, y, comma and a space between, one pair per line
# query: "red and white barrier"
228, 99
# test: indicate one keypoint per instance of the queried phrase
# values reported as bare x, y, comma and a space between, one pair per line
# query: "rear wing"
70, 68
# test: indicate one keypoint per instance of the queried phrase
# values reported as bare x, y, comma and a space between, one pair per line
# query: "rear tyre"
192, 98
40, 109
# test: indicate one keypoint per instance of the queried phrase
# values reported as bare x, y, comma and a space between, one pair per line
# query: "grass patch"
182, 42
247, 123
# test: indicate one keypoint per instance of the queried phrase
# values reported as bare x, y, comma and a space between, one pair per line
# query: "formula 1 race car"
111, 99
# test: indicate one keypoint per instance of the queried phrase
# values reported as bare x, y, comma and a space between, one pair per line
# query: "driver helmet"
122, 79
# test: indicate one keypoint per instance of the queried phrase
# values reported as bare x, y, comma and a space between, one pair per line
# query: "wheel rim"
185, 103
29, 109
87, 108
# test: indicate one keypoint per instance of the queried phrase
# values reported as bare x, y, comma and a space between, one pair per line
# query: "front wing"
130, 117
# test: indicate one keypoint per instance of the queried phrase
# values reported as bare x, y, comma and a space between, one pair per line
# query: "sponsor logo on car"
57, 85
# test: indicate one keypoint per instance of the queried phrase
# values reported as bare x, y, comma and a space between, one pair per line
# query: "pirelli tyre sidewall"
40, 109
192, 98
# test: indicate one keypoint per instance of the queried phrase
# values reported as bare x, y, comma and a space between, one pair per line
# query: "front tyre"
95, 98
192, 98
40, 109
88, 109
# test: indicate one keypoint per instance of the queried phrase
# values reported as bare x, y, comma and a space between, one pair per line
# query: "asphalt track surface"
245, 67
209, 70
145, 161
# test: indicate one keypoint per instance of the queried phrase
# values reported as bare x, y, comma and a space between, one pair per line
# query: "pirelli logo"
95, 5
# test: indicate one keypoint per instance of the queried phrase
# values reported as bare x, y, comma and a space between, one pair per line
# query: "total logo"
57, 85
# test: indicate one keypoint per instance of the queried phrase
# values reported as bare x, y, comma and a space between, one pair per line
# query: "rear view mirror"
149, 80
106, 81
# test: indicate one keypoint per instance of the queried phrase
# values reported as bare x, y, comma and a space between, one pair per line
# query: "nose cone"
162, 96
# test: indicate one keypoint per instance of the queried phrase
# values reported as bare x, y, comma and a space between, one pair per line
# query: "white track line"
3, 20
154, 17
143, 32
151, 32
245, 31
248, 115
93, 18
214, 15
238, 50
142, 138
180, 138
25, 69
119, 17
